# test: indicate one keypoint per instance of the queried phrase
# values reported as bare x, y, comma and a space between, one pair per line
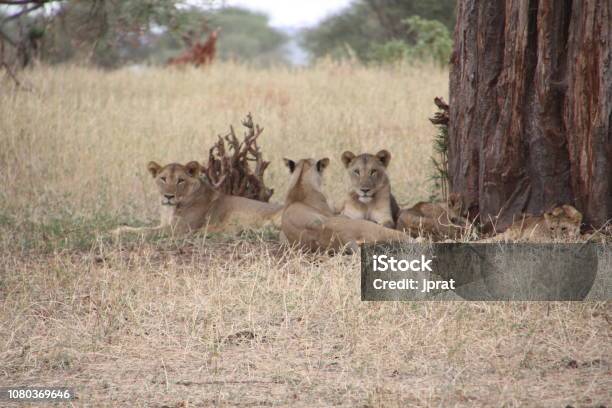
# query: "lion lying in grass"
434, 220
308, 220
557, 224
190, 203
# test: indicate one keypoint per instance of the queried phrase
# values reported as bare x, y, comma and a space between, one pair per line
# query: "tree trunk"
531, 108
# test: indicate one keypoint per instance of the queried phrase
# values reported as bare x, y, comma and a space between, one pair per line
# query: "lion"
559, 223
309, 221
370, 195
190, 203
434, 220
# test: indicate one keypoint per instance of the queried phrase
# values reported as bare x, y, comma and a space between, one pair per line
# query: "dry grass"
90, 134
242, 320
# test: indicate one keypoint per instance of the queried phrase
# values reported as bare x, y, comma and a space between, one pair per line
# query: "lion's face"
175, 181
563, 221
367, 173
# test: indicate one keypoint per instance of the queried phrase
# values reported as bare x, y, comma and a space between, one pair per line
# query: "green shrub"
390, 52
431, 42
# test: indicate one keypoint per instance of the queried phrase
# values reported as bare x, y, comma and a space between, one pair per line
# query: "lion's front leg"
169, 225
383, 217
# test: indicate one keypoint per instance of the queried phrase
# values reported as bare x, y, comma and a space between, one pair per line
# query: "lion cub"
189, 203
370, 196
560, 222
309, 221
436, 220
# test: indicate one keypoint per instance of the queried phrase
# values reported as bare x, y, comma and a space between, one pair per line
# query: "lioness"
309, 221
436, 220
370, 196
189, 203
560, 222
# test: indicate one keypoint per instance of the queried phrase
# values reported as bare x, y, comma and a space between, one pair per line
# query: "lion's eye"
356, 171
180, 181
163, 179
373, 172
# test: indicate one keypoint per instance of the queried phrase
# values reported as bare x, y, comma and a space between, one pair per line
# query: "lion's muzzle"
168, 199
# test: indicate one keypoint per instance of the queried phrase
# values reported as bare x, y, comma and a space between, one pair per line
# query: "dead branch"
26, 43
229, 168
440, 117
22, 2
24, 11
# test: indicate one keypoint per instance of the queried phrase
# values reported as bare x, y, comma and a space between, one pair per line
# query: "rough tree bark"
531, 108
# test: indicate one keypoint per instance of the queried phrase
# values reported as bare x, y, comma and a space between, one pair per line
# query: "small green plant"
440, 148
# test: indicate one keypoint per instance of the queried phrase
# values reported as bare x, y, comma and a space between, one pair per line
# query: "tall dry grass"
81, 141
242, 320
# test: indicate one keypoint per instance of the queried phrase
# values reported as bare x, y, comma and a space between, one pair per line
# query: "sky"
292, 13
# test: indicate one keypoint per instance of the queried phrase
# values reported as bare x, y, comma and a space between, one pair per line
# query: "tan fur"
309, 221
370, 195
435, 220
190, 203
560, 222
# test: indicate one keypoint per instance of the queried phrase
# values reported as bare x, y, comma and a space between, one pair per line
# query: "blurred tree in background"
431, 42
386, 31
111, 33
248, 35
244, 35
107, 32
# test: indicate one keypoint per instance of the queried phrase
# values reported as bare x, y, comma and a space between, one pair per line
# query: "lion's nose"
365, 190
169, 196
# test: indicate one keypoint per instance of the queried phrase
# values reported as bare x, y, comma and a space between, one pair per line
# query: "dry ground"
242, 320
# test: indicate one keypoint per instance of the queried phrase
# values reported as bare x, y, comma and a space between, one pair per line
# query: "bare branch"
21, 13
26, 2
229, 168
11, 74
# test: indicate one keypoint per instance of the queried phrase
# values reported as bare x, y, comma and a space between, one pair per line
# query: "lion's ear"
572, 213
153, 168
384, 157
322, 164
347, 157
290, 164
193, 168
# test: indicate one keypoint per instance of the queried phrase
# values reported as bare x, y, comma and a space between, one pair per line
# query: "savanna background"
241, 320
